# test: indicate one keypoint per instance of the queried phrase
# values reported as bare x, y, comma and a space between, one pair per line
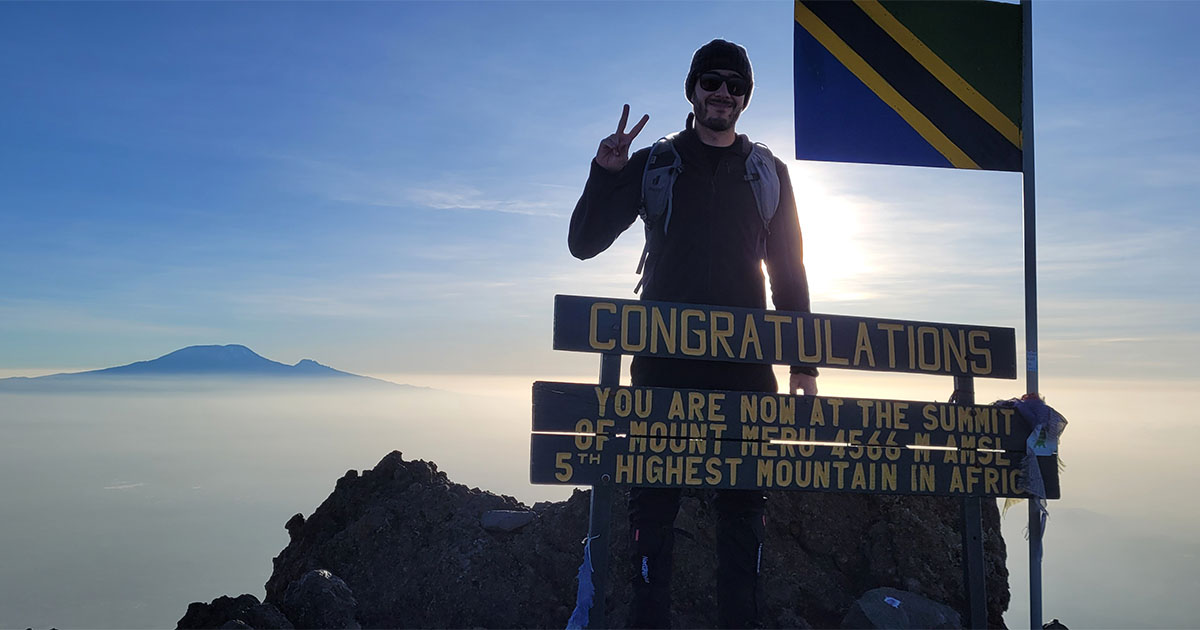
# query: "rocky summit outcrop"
413, 549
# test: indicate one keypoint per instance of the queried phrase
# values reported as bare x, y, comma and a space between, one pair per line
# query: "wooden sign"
719, 333
722, 415
711, 439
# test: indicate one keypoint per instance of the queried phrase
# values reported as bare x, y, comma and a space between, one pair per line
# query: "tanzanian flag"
909, 82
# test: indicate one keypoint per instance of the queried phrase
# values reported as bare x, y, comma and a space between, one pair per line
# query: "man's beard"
716, 122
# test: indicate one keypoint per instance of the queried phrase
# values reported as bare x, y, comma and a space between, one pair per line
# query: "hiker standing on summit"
707, 236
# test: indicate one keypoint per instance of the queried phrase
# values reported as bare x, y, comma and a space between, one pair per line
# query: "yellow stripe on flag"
882, 88
941, 70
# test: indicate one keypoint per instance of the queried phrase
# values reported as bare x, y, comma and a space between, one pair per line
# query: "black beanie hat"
719, 55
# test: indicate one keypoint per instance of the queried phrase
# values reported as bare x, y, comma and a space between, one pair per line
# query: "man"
710, 252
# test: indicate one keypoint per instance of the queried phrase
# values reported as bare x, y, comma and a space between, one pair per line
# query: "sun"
834, 256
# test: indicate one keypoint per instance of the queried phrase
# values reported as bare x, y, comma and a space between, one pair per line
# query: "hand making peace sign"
613, 153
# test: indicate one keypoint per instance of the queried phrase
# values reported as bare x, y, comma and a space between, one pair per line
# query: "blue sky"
385, 187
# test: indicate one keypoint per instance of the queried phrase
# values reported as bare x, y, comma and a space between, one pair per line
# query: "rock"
506, 520
243, 611
294, 524
897, 609
320, 599
410, 544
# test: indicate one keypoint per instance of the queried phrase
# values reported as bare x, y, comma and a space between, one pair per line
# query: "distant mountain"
231, 360
198, 362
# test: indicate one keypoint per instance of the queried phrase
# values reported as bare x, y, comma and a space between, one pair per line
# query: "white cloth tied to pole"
1047, 427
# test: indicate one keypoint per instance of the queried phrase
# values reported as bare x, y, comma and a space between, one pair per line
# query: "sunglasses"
711, 82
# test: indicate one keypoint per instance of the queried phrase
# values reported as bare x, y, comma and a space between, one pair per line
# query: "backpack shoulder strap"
658, 182
764, 179
663, 167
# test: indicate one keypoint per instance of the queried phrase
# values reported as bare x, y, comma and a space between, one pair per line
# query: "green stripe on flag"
980, 40
945, 75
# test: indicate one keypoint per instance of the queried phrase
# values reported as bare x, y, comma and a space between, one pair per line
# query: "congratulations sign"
718, 333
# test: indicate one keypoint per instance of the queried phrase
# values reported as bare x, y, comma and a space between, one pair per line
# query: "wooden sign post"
602, 435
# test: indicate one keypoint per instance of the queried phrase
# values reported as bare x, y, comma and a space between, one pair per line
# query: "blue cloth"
586, 593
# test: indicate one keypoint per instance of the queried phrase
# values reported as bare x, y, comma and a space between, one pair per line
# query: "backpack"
663, 167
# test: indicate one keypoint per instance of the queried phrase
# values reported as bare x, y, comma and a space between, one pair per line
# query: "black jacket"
710, 253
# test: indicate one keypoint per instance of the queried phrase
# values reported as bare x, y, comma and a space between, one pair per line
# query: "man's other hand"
804, 382
613, 153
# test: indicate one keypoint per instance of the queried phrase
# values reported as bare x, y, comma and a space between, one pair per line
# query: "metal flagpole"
1031, 345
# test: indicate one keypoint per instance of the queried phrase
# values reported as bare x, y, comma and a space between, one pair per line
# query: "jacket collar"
690, 140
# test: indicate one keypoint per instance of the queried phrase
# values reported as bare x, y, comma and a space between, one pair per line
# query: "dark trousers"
740, 513
740, 529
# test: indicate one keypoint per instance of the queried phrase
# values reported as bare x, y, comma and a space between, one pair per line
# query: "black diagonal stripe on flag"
978, 139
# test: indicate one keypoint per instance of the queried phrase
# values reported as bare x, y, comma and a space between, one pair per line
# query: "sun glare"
833, 252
